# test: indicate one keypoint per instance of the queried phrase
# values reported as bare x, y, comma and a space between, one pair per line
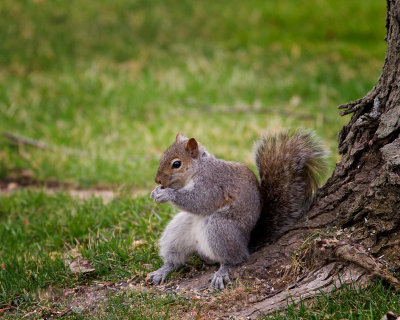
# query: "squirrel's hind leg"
229, 244
176, 245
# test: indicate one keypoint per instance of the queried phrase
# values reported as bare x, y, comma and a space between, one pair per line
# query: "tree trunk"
358, 209
364, 190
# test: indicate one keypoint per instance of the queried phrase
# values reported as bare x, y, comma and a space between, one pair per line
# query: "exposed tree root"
324, 279
326, 250
330, 263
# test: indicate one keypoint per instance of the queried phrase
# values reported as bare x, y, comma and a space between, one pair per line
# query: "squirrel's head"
177, 163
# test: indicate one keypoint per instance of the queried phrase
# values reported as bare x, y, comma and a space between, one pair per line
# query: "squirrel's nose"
157, 180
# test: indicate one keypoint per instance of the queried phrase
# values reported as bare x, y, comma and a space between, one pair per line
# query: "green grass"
118, 79
114, 81
39, 232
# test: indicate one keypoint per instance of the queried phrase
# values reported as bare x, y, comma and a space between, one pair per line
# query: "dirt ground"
24, 179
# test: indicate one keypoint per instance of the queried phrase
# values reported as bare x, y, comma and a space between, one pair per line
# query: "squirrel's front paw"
161, 194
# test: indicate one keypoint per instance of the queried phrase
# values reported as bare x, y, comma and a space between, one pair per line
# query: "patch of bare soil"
25, 179
83, 299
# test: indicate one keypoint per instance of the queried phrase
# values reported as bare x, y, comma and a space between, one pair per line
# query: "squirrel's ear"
180, 137
192, 147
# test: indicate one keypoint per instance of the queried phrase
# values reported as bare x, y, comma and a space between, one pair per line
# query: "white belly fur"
200, 238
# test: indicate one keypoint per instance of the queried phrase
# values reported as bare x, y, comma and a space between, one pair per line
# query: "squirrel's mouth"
173, 185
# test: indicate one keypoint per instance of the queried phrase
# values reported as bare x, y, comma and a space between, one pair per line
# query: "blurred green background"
106, 85
116, 80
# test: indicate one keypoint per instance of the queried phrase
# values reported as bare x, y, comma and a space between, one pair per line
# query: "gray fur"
223, 204
220, 206
291, 165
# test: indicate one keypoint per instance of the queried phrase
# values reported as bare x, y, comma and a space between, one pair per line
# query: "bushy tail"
291, 165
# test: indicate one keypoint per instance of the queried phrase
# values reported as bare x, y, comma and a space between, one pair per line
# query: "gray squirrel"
224, 209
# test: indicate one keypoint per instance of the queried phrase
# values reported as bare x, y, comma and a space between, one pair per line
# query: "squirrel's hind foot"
220, 279
159, 276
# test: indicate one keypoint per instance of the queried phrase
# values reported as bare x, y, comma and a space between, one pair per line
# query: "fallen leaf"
80, 265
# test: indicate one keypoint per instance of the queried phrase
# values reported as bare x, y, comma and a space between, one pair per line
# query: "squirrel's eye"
176, 164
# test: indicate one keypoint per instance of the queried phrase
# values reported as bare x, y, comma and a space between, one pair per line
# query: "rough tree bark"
362, 198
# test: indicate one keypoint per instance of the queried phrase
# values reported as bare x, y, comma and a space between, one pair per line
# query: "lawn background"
106, 85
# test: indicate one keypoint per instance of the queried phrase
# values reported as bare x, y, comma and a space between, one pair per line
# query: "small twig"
24, 140
29, 314
21, 140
